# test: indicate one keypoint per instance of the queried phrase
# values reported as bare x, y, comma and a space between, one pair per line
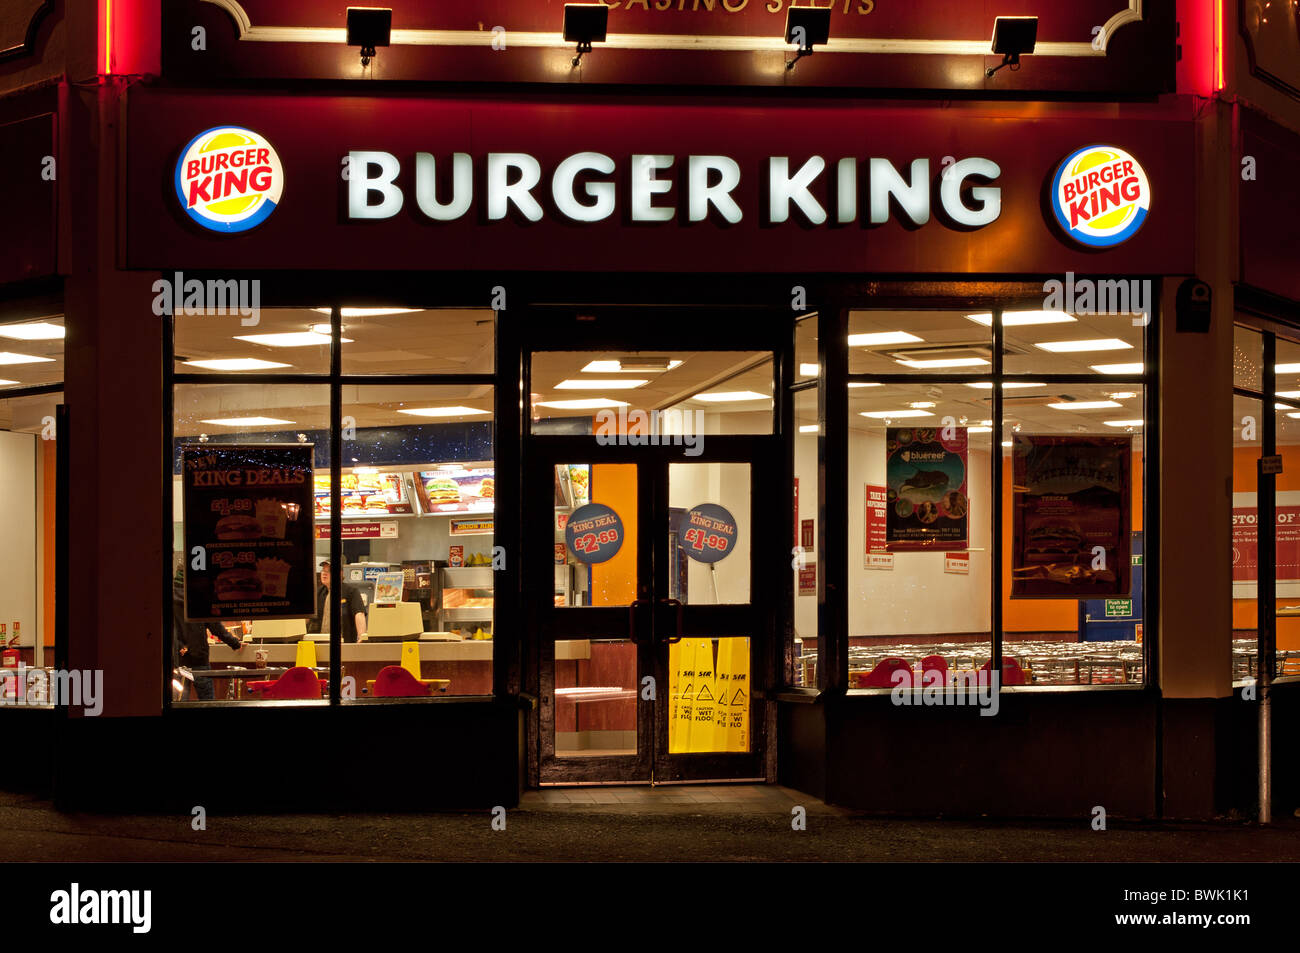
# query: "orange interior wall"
1046, 615
48, 504
613, 582
1244, 470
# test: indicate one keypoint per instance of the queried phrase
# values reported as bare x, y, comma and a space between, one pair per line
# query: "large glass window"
410, 579
31, 373
27, 487
1251, 442
806, 563
988, 457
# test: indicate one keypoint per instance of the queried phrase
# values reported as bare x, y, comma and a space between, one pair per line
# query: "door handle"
677, 629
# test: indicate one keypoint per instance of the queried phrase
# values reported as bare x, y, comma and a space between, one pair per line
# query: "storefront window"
27, 486
1055, 342
1287, 547
31, 374
1247, 443
414, 341
805, 348
689, 394
218, 623
419, 496
412, 574
1072, 523
807, 561
919, 530
925, 549
947, 343
261, 341
1251, 443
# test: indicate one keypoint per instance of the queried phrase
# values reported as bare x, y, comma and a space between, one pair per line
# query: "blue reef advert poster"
928, 503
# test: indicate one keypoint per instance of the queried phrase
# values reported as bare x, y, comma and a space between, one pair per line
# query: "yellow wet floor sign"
732, 681
708, 700
681, 694
704, 736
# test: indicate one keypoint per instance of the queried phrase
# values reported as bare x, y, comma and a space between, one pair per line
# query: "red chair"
934, 663
882, 676
1012, 673
298, 682
393, 681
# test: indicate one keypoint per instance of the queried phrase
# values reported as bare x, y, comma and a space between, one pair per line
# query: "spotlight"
808, 27
1013, 36
369, 27
584, 24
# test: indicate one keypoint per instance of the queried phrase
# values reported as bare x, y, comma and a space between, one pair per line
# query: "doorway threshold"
647, 784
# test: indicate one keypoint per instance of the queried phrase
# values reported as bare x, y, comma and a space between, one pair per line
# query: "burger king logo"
1101, 196
229, 179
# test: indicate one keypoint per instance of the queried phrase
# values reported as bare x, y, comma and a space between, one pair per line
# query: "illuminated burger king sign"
1101, 196
229, 179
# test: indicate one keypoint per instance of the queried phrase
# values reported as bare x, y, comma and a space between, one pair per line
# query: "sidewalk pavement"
735, 823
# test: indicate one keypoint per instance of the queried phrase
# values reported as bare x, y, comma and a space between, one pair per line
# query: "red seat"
298, 682
1012, 673
882, 676
393, 681
934, 663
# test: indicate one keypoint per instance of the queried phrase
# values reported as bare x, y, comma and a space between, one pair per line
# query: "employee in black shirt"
354, 608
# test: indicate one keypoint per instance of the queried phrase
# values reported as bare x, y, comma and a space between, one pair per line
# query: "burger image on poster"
442, 491
238, 527
237, 584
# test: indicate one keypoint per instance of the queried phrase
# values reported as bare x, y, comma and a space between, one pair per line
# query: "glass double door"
651, 629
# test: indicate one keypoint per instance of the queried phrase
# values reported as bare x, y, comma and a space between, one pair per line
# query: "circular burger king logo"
1101, 196
229, 179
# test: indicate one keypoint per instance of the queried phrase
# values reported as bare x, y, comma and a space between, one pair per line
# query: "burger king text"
583, 188
1098, 191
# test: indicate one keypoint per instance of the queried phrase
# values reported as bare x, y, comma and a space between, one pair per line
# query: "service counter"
467, 664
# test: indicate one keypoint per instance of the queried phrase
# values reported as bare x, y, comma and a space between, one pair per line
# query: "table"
238, 676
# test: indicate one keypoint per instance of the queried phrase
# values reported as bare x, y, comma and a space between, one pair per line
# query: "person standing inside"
353, 613
190, 639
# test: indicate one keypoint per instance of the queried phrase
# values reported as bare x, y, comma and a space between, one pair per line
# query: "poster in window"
248, 531
927, 498
1072, 515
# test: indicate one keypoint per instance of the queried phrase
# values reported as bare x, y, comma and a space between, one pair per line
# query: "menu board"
451, 490
364, 494
248, 535
925, 486
1072, 514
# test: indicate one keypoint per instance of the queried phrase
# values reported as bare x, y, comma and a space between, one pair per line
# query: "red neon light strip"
1218, 44
108, 37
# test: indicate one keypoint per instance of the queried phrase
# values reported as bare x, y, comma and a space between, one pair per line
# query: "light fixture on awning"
807, 27
585, 24
1013, 37
368, 28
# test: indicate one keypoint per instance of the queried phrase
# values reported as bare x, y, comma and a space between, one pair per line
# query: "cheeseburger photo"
238, 527
235, 584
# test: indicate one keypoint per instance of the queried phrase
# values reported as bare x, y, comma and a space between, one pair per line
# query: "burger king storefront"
485, 439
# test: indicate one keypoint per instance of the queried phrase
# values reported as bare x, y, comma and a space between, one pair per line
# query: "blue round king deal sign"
594, 533
709, 533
